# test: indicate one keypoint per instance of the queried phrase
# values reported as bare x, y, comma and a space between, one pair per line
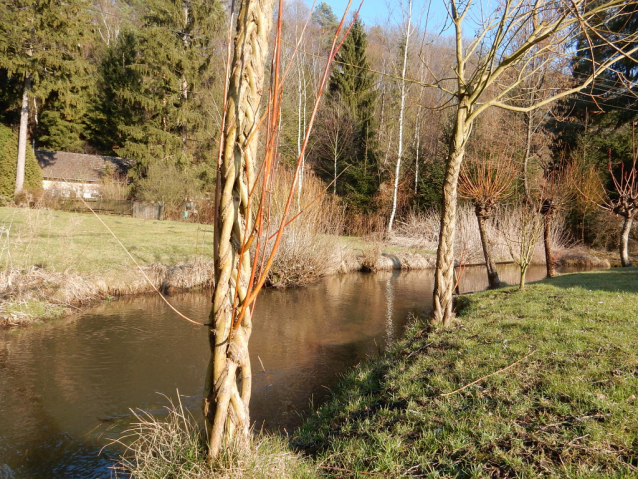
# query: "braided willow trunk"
444, 273
228, 379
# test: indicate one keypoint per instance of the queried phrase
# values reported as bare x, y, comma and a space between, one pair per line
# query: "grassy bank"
538, 383
52, 262
568, 409
59, 240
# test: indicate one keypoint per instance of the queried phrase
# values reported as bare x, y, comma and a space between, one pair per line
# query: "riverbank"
54, 263
525, 384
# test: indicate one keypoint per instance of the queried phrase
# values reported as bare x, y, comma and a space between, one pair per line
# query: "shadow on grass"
617, 279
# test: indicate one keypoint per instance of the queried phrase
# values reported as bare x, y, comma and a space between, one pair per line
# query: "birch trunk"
624, 240
228, 379
401, 111
22, 136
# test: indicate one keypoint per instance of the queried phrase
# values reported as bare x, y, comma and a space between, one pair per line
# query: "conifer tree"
352, 85
41, 46
157, 82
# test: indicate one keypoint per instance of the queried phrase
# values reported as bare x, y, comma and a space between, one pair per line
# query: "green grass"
58, 240
568, 410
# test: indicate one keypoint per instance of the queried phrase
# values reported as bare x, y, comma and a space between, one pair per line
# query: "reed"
421, 231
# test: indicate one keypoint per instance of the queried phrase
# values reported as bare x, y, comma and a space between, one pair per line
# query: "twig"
262, 364
491, 374
357, 472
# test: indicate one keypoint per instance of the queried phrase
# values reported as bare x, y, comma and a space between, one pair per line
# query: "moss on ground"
567, 410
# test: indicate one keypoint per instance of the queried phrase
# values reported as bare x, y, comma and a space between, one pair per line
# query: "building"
75, 174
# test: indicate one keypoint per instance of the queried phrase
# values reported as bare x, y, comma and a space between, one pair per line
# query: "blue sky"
376, 12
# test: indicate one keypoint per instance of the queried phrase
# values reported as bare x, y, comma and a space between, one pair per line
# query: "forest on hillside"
144, 80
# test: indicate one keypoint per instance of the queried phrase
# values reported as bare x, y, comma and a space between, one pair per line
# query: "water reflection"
67, 387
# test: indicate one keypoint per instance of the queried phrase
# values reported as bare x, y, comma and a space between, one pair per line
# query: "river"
67, 387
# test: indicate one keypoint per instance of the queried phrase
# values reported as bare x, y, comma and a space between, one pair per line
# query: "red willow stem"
255, 287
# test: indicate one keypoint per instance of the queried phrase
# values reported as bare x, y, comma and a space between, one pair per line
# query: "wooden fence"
136, 209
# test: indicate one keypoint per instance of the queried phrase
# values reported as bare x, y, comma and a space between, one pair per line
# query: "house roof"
59, 165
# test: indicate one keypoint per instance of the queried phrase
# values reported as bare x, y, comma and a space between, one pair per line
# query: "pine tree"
352, 85
156, 86
42, 45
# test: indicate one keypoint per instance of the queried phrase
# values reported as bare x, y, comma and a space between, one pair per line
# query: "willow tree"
488, 71
486, 183
246, 236
621, 200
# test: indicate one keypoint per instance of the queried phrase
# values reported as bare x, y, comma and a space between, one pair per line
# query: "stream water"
67, 386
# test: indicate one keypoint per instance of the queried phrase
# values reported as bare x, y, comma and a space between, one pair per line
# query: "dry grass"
52, 262
421, 231
310, 247
174, 447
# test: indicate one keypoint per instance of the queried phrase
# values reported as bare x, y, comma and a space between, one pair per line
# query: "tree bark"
228, 379
549, 256
444, 273
395, 191
492, 274
521, 285
22, 135
624, 240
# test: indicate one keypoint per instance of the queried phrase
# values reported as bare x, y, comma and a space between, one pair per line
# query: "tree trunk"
521, 285
624, 240
228, 379
22, 136
528, 154
549, 257
444, 273
492, 275
395, 191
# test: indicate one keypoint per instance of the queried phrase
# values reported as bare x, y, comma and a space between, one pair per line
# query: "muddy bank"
36, 294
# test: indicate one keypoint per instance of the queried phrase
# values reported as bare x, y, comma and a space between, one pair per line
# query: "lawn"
552, 385
60, 241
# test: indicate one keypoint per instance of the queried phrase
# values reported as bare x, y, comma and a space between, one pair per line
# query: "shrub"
8, 166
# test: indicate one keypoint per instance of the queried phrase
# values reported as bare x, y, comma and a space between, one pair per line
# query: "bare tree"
522, 228
486, 183
623, 201
406, 45
487, 73
334, 141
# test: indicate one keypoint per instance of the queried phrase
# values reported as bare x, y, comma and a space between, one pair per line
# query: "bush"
8, 166
170, 184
